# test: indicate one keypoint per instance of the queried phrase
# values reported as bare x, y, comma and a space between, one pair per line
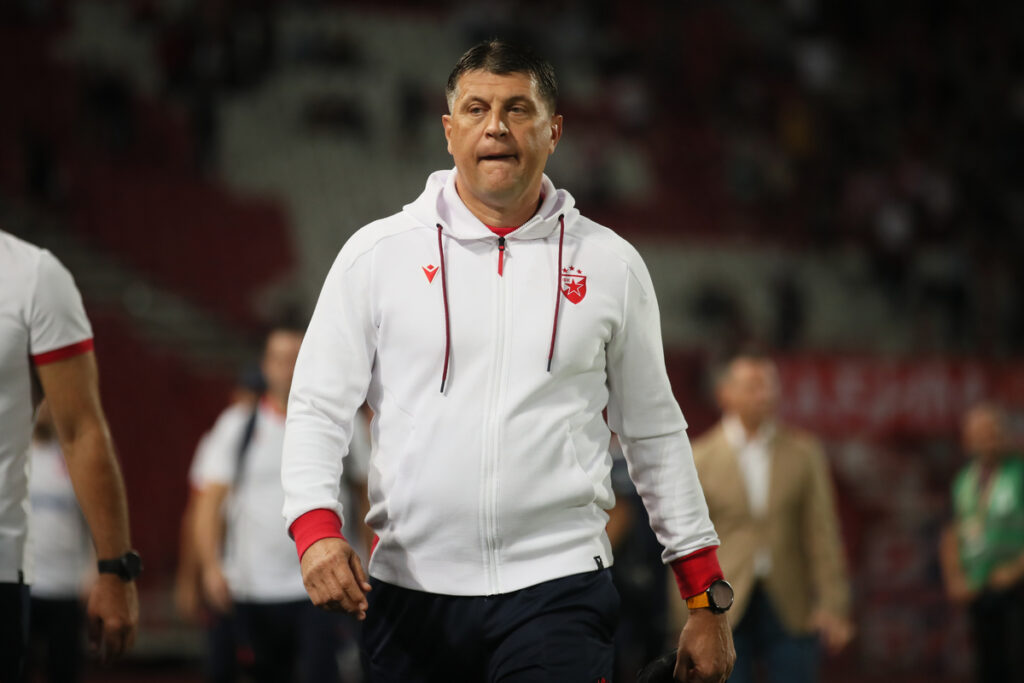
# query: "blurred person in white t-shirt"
249, 566
64, 560
221, 654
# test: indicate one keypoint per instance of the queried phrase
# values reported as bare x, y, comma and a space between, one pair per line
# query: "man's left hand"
836, 632
113, 616
706, 653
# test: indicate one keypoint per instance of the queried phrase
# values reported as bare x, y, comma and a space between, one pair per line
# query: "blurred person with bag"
982, 551
248, 565
221, 655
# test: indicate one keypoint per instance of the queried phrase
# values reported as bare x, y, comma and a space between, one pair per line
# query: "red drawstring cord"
558, 289
447, 318
447, 315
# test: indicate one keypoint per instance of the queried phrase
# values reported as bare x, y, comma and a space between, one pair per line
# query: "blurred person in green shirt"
983, 548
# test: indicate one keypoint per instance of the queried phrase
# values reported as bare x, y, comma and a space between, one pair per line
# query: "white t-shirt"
59, 538
42, 320
212, 447
260, 563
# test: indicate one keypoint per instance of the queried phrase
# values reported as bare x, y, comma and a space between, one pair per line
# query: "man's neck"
278, 403
751, 428
989, 462
512, 214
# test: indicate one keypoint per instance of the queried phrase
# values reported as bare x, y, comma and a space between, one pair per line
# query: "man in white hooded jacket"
488, 325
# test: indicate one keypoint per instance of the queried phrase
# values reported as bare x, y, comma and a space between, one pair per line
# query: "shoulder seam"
398, 231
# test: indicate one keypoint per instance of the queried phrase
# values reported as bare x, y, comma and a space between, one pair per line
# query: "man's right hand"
113, 616
334, 577
216, 589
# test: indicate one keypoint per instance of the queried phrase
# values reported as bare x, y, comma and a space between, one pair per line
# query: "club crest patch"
574, 284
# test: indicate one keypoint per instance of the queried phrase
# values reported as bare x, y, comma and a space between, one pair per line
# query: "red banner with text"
840, 396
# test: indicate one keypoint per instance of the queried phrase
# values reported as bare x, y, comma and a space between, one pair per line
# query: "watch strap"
698, 601
127, 567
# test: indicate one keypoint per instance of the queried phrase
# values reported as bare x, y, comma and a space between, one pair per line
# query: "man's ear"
446, 122
556, 131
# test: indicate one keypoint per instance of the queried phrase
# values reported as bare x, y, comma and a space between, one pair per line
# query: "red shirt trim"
272, 406
502, 232
696, 571
314, 526
63, 352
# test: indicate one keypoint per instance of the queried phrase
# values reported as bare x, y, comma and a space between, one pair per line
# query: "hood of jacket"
440, 203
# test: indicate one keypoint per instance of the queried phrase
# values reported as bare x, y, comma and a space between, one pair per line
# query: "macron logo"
430, 272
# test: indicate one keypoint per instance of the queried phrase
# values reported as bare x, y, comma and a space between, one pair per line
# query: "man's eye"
476, 110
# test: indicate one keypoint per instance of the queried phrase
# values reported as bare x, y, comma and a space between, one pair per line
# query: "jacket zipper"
493, 434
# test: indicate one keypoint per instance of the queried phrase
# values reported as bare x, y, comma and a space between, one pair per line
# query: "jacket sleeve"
644, 413
822, 538
331, 378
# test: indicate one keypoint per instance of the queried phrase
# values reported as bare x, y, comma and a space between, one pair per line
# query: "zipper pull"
501, 255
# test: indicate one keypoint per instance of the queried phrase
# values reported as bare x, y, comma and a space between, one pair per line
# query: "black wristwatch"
717, 598
127, 567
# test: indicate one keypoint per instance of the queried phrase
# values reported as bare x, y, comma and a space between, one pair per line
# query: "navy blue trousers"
58, 639
997, 628
290, 641
762, 641
559, 631
14, 625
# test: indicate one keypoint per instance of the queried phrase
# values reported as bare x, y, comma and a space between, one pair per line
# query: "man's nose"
496, 126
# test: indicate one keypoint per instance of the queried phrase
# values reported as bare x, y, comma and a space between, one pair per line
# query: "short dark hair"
501, 57
750, 351
291, 320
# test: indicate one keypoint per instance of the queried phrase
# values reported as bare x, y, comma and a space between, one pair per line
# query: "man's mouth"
498, 157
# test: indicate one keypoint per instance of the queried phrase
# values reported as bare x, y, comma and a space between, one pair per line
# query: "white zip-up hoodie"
500, 480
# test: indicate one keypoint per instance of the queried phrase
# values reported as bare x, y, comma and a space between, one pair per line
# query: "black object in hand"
660, 670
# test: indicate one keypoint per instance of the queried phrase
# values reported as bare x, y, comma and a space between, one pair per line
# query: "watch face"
131, 564
721, 595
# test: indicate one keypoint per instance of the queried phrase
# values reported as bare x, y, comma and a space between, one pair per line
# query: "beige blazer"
800, 529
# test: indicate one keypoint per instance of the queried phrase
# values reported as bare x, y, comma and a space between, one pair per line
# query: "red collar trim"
501, 232
267, 404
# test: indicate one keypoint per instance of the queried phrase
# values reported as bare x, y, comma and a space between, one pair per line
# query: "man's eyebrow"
519, 99
514, 99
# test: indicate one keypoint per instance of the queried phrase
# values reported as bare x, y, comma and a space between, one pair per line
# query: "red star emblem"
574, 284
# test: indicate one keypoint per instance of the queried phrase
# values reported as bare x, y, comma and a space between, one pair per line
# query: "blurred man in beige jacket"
771, 500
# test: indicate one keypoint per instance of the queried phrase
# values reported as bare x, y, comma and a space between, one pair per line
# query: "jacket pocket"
582, 485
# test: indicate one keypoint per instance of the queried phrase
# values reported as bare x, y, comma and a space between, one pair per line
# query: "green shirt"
989, 517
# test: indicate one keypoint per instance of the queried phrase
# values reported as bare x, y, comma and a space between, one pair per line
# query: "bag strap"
241, 454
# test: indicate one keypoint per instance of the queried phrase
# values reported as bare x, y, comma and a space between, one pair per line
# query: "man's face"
500, 133
983, 434
750, 390
279, 361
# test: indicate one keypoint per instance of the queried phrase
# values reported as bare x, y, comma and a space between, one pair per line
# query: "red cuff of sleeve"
314, 526
63, 352
696, 571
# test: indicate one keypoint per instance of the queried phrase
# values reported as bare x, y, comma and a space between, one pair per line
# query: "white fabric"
356, 463
260, 563
60, 543
40, 311
502, 481
753, 453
